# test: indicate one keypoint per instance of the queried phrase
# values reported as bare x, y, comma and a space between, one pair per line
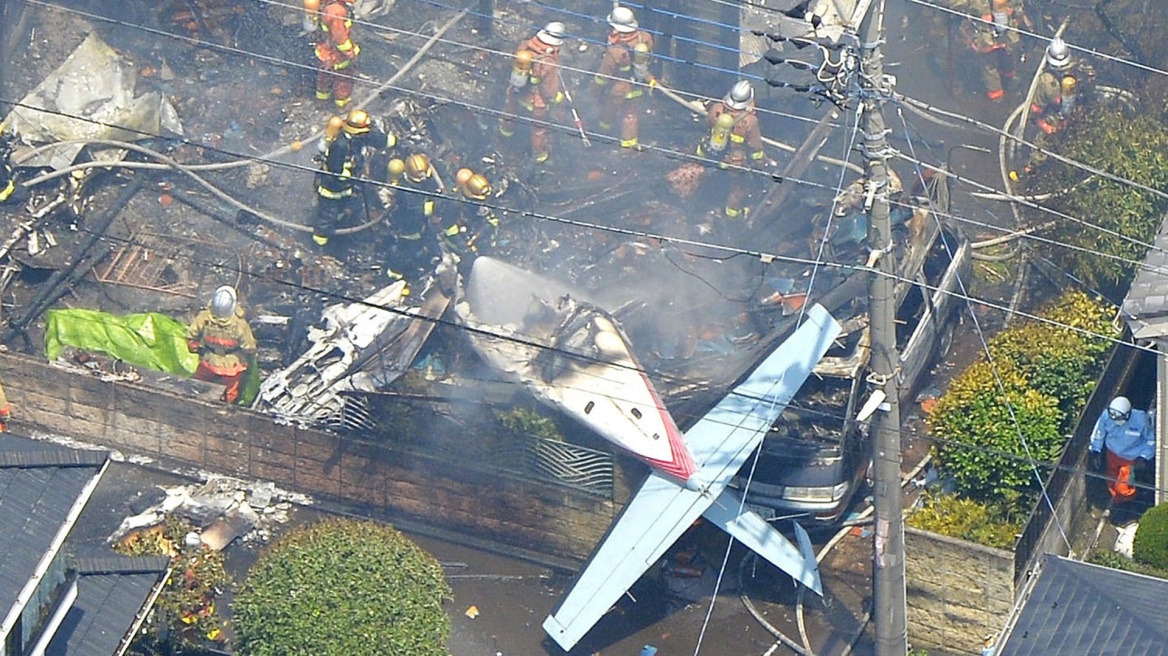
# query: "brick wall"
958, 592
457, 498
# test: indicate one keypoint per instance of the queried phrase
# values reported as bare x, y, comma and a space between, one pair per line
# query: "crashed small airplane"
574, 356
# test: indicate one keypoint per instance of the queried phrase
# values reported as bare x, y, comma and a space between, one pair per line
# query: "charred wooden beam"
62, 280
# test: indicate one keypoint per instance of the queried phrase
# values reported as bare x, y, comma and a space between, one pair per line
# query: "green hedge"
344, 588
966, 519
1151, 542
1034, 387
1061, 362
978, 428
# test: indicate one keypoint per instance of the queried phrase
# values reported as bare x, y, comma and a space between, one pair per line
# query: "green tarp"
149, 340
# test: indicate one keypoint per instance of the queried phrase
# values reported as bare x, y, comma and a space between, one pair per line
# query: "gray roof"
1147, 299
1079, 608
110, 593
37, 489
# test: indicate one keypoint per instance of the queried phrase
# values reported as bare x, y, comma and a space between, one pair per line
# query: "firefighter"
736, 141
1061, 90
534, 86
623, 72
1061, 87
995, 38
5, 411
223, 339
473, 229
347, 143
336, 53
8, 186
417, 187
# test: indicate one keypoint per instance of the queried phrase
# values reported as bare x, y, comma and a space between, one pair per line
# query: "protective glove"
1139, 464
1097, 461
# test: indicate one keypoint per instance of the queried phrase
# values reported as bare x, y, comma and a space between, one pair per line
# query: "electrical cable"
989, 357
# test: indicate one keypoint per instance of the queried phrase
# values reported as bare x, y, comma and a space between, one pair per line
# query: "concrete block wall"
958, 592
459, 499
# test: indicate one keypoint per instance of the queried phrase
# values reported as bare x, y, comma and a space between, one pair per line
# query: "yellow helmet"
477, 187
357, 122
418, 167
396, 168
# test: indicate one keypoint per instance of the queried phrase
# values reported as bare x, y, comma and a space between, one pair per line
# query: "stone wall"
958, 592
554, 524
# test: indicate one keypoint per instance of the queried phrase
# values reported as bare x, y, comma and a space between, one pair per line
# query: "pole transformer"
888, 578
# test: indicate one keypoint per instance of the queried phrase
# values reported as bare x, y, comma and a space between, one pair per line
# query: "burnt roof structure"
1080, 608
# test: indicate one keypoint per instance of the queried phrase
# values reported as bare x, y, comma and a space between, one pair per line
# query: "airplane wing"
662, 509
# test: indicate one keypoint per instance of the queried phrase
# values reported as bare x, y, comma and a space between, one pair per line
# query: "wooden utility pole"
889, 609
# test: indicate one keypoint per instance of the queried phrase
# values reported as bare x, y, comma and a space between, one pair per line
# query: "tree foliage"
989, 427
346, 588
1132, 148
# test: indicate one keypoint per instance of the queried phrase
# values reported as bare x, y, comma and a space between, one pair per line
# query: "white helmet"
1119, 409
552, 33
1058, 55
622, 20
739, 96
223, 302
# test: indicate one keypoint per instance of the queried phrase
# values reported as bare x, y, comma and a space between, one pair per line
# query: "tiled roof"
1148, 296
1079, 608
110, 593
37, 490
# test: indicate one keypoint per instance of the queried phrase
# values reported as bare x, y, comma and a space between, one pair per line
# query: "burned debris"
181, 176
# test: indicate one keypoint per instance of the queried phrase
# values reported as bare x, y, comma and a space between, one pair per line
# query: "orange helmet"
357, 122
462, 176
311, 5
333, 127
418, 167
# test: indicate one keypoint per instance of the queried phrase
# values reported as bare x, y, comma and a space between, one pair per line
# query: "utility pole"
888, 579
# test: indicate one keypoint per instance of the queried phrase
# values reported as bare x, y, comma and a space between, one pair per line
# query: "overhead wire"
34, 1
565, 128
989, 358
691, 242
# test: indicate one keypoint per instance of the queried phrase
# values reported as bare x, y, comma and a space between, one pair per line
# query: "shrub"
1128, 147
529, 422
343, 587
1061, 362
1151, 542
979, 426
966, 519
1108, 558
187, 602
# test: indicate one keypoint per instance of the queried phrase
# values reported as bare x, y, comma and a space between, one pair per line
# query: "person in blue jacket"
1123, 442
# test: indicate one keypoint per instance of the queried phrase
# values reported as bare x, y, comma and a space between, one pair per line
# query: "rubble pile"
222, 509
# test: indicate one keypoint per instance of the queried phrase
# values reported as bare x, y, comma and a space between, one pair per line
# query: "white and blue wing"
662, 510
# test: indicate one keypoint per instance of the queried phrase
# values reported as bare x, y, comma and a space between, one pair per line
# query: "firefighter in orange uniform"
736, 140
535, 85
623, 71
224, 341
996, 39
335, 51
